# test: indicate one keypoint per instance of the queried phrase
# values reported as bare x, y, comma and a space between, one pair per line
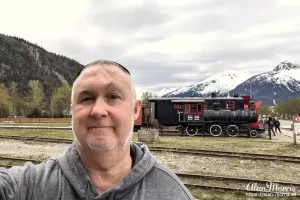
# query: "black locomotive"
215, 115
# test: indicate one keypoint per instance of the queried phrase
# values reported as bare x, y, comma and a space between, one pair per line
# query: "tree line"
34, 103
290, 107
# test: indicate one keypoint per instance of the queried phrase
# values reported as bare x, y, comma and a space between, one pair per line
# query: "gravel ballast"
276, 171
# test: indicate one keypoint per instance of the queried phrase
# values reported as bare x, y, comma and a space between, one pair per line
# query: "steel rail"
244, 155
241, 189
228, 178
203, 152
33, 138
202, 176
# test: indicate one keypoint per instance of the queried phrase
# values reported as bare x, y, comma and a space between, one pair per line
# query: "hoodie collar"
78, 178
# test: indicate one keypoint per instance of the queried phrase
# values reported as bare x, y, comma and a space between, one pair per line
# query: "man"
102, 163
277, 125
271, 126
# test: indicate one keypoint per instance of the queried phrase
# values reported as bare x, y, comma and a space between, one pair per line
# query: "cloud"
166, 43
126, 17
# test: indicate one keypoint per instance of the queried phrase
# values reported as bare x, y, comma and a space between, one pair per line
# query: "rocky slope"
22, 61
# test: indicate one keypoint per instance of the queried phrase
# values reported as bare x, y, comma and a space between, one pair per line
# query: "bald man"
103, 162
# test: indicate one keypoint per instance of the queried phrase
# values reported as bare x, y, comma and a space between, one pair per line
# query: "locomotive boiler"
215, 115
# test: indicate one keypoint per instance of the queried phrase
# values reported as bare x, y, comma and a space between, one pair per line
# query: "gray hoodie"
65, 178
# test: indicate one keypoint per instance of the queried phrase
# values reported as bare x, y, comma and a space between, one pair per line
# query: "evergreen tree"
61, 100
5, 101
36, 99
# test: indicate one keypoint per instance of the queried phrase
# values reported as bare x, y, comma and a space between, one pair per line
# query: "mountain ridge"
22, 61
276, 85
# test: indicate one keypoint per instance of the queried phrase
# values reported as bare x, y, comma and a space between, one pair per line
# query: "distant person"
103, 162
271, 126
277, 125
266, 123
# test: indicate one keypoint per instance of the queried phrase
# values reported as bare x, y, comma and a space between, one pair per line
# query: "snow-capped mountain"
164, 91
277, 85
221, 83
289, 69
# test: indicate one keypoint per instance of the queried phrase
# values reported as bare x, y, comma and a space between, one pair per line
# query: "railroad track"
227, 178
265, 193
253, 156
198, 177
218, 153
14, 160
40, 139
241, 181
20, 159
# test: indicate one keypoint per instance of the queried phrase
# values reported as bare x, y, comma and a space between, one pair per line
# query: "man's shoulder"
29, 170
161, 177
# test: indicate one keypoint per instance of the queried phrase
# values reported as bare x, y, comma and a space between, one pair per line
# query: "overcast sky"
166, 43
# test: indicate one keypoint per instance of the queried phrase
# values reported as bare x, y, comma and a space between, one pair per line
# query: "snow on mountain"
279, 84
220, 83
164, 91
288, 69
286, 65
276, 85
284, 74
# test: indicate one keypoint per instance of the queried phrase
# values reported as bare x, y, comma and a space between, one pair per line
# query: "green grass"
38, 124
64, 134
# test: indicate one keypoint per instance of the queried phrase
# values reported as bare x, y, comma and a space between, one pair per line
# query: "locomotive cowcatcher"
231, 115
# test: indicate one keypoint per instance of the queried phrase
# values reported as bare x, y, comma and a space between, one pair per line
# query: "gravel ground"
177, 162
276, 171
30, 149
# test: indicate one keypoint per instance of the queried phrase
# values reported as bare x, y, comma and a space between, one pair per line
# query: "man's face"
103, 108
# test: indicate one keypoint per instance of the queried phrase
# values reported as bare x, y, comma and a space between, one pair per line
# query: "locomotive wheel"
232, 130
215, 130
191, 131
253, 133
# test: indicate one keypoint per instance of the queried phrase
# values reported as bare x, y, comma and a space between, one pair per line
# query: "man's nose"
99, 109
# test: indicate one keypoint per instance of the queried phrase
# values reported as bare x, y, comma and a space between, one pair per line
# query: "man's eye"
114, 96
86, 99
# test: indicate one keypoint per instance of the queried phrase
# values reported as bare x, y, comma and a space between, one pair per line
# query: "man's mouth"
100, 127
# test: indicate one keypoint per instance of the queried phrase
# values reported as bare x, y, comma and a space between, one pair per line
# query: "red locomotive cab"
193, 111
257, 123
138, 122
246, 102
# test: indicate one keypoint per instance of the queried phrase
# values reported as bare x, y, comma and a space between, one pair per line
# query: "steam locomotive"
231, 115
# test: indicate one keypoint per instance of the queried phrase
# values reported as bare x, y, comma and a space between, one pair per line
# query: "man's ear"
137, 108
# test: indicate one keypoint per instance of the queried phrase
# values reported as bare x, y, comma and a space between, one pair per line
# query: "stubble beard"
121, 144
